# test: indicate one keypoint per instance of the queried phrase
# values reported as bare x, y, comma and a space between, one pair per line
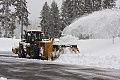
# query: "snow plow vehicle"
36, 47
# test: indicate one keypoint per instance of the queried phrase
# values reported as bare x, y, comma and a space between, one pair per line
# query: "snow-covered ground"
7, 44
93, 52
2, 78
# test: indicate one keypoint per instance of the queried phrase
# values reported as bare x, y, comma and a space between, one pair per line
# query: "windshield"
34, 36
37, 36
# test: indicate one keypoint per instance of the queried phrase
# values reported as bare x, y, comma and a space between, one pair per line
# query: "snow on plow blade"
72, 48
59, 50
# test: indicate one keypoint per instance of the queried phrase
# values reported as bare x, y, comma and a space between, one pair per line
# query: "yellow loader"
36, 47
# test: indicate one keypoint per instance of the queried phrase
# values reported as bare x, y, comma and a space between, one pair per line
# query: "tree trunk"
6, 15
21, 20
21, 27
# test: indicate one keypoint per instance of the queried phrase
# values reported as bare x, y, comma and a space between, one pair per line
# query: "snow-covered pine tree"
96, 5
21, 12
12, 24
55, 20
87, 7
66, 13
45, 20
63, 15
108, 4
76, 9
5, 16
2, 17
70, 10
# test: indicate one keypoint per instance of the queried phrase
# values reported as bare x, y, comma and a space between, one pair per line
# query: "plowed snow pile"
93, 52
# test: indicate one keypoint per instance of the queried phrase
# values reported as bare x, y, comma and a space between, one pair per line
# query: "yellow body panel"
47, 46
48, 50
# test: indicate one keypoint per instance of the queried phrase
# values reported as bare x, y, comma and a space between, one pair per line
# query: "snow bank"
6, 44
2, 78
100, 24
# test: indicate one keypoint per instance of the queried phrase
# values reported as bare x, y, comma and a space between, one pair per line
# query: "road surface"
14, 68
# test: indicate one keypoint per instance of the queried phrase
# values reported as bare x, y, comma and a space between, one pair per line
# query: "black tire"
21, 53
34, 53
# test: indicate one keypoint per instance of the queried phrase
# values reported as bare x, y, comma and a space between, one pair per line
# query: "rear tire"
34, 54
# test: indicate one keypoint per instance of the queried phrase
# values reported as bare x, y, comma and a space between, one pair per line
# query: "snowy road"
14, 68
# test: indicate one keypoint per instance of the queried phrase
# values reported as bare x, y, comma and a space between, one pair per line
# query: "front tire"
21, 53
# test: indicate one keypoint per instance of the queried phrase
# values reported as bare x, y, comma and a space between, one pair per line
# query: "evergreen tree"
45, 19
96, 5
8, 18
66, 12
55, 20
108, 4
21, 13
70, 10
87, 7
12, 24
77, 9
0, 31
63, 15
5, 15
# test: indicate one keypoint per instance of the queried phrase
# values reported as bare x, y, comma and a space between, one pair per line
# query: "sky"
35, 6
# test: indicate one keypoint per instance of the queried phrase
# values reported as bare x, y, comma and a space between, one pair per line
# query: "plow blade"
59, 49
72, 48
